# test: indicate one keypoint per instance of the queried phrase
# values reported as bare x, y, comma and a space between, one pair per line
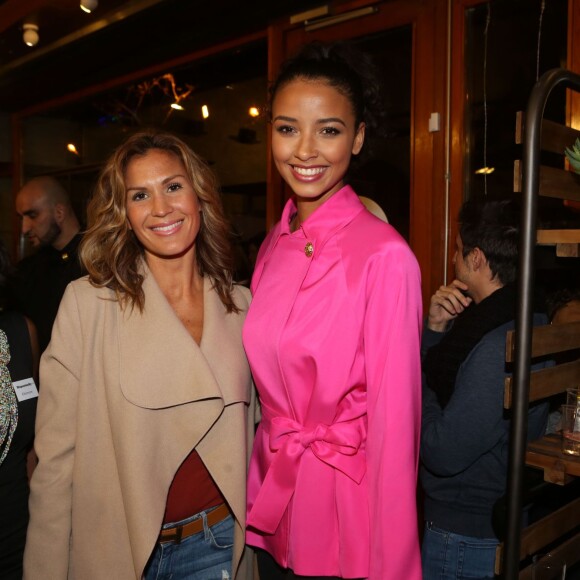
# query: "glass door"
400, 176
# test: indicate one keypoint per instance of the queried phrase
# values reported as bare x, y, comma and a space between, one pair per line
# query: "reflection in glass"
503, 41
385, 177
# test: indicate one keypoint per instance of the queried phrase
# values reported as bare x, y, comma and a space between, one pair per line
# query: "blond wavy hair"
111, 253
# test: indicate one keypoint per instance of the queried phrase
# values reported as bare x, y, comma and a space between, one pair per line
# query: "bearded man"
53, 230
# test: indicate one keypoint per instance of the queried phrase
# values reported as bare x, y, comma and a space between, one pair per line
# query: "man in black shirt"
50, 224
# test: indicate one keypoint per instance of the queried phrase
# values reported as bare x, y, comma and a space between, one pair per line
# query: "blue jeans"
206, 555
448, 556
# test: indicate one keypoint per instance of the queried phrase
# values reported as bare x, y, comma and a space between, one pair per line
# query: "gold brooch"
309, 249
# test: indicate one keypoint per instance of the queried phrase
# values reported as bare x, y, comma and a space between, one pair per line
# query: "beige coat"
124, 398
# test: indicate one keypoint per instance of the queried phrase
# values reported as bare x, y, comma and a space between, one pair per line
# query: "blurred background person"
52, 228
563, 305
18, 397
465, 428
145, 416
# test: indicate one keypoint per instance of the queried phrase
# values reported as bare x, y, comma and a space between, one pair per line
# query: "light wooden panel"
555, 136
554, 182
546, 531
568, 552
546, 454
547, 382
547, 339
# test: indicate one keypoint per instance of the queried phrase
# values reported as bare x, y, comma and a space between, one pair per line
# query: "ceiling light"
254, 112
30, 35
204, 111
177, 107
72, 148
89, 5
485, 170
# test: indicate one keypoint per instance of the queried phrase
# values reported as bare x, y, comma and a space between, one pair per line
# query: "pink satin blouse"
333, 338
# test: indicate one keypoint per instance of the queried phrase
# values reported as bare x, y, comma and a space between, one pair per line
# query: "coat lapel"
160, 363
222, 347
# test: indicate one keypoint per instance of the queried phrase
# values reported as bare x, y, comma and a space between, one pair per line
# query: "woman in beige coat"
145, 415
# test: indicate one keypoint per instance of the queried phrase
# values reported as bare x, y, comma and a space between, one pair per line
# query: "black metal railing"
531, 177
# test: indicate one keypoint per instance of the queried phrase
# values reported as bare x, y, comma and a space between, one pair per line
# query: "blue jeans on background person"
449, 556
206, 555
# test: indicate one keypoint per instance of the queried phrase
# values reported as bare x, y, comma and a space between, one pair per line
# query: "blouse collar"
335, 213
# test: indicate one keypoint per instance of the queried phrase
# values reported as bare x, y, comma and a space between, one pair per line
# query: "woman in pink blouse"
332, 336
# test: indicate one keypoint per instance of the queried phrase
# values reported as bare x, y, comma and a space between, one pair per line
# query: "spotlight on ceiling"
89, 5
30, 34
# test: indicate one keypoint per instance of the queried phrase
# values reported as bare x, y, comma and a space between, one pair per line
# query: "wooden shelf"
554, 182
546, 453
547, 339
550, 237
544, 532
567, 242
555, 136
569, 552
546, 382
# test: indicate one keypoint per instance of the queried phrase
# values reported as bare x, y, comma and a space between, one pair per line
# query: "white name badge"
25, 389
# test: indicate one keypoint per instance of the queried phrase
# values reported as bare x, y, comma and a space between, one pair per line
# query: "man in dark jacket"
465, 429
51, 226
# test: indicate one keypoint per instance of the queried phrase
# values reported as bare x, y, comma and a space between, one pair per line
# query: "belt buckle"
175, 537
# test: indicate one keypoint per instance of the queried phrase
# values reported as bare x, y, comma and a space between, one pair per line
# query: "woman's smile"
168, 228
308, 173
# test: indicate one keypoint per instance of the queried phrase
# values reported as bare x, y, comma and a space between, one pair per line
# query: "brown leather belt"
177, 533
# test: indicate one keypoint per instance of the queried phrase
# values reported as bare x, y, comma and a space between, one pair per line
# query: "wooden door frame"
573, 63
457, 122
428, 21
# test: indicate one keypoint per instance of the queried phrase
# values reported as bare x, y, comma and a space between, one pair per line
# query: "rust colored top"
192, 490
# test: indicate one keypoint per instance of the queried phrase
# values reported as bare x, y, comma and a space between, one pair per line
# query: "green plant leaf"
573, 156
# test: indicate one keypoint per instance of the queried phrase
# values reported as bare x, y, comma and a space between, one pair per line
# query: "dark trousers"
271, 570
